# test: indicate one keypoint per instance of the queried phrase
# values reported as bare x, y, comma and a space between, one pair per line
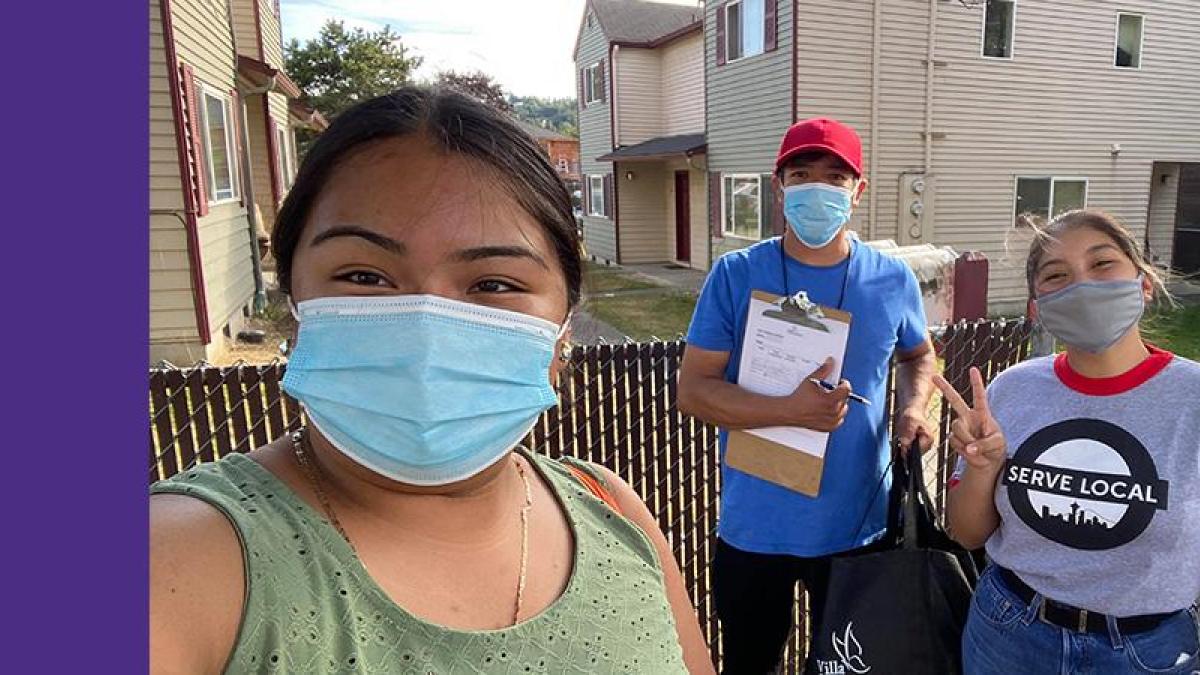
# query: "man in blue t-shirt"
770, 537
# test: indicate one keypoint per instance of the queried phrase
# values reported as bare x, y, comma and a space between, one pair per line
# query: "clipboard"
785, 339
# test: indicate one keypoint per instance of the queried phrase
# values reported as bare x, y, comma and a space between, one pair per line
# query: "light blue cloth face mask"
419, 388
1092, 315
816, 211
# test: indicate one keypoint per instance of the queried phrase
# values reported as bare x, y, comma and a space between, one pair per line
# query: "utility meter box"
914, 218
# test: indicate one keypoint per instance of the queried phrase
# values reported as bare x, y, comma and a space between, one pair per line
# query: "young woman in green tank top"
432, 256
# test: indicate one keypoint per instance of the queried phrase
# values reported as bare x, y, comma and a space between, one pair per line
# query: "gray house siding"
595, 139
749, 107
1056, 109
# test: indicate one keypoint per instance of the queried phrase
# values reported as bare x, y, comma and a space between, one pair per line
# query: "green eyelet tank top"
312, 608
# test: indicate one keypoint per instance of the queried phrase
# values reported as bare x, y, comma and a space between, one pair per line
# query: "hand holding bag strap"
915, 480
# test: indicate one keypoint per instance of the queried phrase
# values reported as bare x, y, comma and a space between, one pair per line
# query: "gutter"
929, 66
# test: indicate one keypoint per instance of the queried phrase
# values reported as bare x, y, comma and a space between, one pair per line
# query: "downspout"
260, 288
615, 133
876, 30
931, 43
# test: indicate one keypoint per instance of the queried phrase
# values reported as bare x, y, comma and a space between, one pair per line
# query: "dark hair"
459, 124
1101, 222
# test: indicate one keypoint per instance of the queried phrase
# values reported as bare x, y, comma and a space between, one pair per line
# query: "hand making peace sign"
975, 434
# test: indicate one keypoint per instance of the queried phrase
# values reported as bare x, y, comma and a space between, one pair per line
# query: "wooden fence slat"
238, 408
164, 463
222, 438
184, 425
605, 408
271, 376
199, 404
252, 382
625, 448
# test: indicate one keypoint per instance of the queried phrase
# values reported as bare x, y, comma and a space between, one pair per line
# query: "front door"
683, 218
1185, 257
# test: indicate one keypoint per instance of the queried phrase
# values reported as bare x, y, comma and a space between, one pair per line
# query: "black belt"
1073, 618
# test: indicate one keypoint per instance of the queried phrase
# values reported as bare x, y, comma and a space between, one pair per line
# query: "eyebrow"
386, 243
481, 252
1094, 249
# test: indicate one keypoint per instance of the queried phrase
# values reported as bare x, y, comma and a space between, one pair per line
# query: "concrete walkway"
670, 274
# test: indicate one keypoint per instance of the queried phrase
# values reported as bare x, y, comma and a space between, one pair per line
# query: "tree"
341, 67
477, 85
552, 113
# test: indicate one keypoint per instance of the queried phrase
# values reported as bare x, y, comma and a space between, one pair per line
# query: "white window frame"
1117, 41
592, 192
728, 32
589, 84
563, 166
725, 231
1053, 179
230, 147
283, 149
1012, 34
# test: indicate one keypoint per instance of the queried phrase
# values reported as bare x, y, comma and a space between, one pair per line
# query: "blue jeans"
1004, 636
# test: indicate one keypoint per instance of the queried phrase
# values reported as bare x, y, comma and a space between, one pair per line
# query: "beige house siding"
595, 139
1054, 109
271, 33
683, 86
172, 310
833, 72
644, 225
204, 39
638, 94
1164, 194
245, 32
994, 130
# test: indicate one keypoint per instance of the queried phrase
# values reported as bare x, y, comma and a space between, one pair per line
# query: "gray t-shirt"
1099, 500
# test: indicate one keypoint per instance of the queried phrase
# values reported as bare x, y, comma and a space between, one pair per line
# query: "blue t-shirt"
884, 300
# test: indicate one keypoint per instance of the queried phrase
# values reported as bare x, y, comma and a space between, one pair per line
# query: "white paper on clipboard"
780, 349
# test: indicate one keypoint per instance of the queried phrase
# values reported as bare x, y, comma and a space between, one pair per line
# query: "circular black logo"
1085, 483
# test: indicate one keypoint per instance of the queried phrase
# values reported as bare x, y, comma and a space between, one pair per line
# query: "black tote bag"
900, 610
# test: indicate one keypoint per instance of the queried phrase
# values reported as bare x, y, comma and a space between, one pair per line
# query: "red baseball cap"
821, 133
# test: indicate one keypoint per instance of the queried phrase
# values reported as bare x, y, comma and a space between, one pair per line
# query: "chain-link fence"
617, 408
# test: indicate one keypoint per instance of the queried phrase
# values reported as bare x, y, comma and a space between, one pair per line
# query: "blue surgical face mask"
1092, 315
816, 212
418, 388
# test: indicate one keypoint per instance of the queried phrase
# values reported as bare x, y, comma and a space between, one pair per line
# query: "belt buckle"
1083, 620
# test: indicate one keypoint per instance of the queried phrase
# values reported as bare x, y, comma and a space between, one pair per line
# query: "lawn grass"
603, 279
641, 316
1177, 331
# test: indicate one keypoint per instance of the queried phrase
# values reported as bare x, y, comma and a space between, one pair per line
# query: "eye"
1103, 263
1053, 276
363, 278
494, 286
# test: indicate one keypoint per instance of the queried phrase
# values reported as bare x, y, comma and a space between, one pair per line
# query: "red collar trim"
1118, 384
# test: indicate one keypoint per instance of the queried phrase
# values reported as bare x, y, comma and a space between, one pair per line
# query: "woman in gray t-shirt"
1081, 474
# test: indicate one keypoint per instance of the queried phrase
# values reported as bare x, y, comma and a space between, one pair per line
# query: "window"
287, 166
1129, 41
740, 197
999, 22
1046, 198
596, 196
745, 27
562, 165
593, 84
216, 132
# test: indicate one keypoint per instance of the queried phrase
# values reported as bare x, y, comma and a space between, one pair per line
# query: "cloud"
526, 45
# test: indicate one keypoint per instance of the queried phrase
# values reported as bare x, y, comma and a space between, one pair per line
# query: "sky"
526, 45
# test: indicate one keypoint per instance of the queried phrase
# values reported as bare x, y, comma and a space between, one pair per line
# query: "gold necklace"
303, 450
